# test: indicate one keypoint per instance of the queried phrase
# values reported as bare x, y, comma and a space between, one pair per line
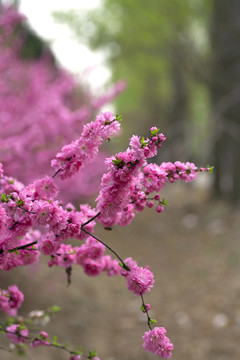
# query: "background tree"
225, 96
160, 49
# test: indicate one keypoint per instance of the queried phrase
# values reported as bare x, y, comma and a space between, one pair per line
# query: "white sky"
70, 53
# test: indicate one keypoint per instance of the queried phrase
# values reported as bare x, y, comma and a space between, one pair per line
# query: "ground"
193, 248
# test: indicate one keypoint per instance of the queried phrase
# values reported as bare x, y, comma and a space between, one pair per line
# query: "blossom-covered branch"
31, 218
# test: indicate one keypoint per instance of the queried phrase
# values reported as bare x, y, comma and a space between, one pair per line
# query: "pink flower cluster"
11, 300
123, 180
41, 340
139, 279
156, 341
34, 206
76, 155
90, 256
126, 187
17, 334
156, 176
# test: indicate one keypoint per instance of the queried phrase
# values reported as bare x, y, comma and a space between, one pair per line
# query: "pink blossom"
2, 219
156, 341
149, 204
139, 279
65, 256
92, 249
50, 213
93, 267
41, 341
109, 124
16, 297
159, 208
76, 155
1, 169
111, 266
43, 211
155, 178
45, 188
147, 308
165, 351
187, 171
16, 333
49, 244
127, 215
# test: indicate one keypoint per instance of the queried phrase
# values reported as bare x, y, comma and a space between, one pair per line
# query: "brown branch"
24, 247
145, 309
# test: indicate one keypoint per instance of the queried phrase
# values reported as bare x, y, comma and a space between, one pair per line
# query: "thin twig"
145, 309
22, 247
90, 220
56, 173
108, 247
28, 211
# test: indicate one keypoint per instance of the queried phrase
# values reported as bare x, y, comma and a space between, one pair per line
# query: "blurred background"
173, 64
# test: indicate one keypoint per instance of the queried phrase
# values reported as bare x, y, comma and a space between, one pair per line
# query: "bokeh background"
177, 63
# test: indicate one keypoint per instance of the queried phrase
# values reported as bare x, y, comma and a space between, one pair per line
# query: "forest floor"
193, 248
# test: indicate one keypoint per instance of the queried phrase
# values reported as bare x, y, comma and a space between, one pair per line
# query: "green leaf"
54, 342
21, 349
119, 118
210, 169
10, 321
20, 202
154, 132
92, 354
164, 202
14, 250
143, 142
4, 197
54, 309
21, 327
118, 162
153, 321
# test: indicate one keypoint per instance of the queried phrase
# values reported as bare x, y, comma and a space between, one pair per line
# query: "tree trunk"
225, 96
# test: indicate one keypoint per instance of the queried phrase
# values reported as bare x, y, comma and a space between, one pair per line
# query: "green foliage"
4, 197
92, 354
153, 321
164, 202
54, 309
118, 162
161, 49
33, 46
154, 132
210, 168
119, 118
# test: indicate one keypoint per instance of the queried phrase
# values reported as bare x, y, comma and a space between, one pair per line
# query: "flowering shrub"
41, 109
34, 222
